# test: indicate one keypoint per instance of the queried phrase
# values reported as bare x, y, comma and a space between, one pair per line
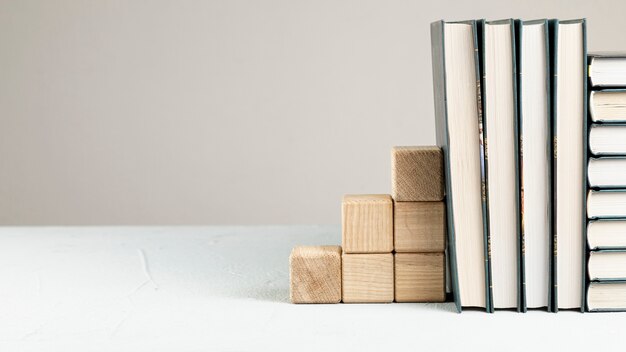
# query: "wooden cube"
420, 277
417, 174
367, 223
315, 274
419, 226
367, 278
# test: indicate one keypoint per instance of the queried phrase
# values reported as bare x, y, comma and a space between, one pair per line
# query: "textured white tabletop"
227, 289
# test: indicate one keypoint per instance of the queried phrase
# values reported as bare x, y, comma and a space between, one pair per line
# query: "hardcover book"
606, 204
606, 234
607, 139
608, 105
570, 161
501, 159
607, 296
457, 97
607, 172
607, 69
535, 164
607, 265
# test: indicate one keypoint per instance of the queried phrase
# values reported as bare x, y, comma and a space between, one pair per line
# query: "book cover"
483, 170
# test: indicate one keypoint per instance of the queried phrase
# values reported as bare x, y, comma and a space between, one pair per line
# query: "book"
501, 159
606, 296
608, 105
607, 139
606, 204
607, 172
457, 97
570, 161
606, 234
607, 69
535, 154
607, 265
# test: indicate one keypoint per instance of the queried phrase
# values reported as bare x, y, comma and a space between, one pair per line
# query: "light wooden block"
417, 174
367, 278
315, 274
420, 277
367, 223
419, 226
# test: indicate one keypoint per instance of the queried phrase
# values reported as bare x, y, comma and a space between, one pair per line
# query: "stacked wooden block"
420, 220
393, 248
367, 239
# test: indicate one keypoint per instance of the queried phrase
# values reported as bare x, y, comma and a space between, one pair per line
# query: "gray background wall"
222, 112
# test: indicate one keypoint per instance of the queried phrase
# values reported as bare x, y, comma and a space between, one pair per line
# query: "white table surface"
227, 289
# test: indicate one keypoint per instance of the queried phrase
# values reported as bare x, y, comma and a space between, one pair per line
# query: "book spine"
553, 29
516, 42
585, 75
522, 242
549, 68
484, 156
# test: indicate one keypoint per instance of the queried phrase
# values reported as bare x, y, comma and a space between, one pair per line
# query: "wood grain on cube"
419, 227
315, 274
417, 174
419, 277
367, 278
367, 223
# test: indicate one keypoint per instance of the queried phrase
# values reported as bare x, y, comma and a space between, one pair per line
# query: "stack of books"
511, 116
606, 206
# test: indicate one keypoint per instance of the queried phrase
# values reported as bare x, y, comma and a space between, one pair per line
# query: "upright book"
456, 83
570, 149
501, 156
535, 146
